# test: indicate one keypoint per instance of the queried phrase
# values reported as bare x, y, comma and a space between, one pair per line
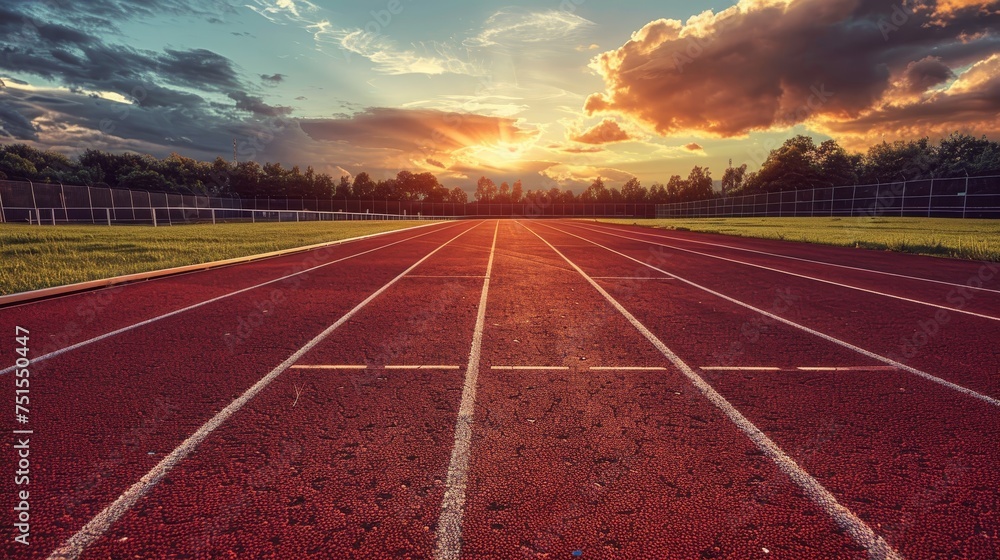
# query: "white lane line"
739, 368
207, 302
628, 278
899, 365
423, 367
813, 278
359, 366
329, 367
854, 526
873, 271
627, 368
442, 276
849, 368
449, 530
97, 526
538, 368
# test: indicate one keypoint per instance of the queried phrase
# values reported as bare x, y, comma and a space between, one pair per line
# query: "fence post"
107, 212
34, 203
902, 201
878, 185
213, 216
930, 198
965, 200
62, 197
90, 202
131, 203
2, 218
53, 210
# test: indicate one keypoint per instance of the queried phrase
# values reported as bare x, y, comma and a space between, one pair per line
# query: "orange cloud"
424, 131
770, 64
605, 132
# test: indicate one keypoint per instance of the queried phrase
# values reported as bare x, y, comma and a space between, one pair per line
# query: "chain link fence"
47, 203
964, 197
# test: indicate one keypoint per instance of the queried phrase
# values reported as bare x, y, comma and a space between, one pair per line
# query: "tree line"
799, 163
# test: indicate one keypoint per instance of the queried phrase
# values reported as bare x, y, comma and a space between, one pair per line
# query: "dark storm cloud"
198, 68
103, 15
13, 124
926, 73
257, 106
273, 78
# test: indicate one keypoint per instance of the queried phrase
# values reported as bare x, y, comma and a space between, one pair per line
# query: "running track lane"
75, 318
891, 263
606, 460
915, 459
329, 461
918, 286
110, 411
934, 340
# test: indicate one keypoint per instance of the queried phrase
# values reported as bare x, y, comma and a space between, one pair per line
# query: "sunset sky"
549, 92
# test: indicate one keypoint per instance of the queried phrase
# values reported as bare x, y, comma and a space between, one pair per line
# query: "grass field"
33, 257
942, 237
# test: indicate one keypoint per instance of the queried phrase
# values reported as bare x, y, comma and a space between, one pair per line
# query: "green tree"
143, 180
363, 186
699, 184
486, 190
516, 191
732, 179
596, 192
633, 191
458, 196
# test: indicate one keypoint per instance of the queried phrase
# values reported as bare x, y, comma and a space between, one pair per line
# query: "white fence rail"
45, 203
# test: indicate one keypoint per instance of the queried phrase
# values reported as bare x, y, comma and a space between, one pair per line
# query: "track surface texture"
515, 389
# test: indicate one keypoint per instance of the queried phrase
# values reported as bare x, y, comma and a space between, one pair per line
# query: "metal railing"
963, 197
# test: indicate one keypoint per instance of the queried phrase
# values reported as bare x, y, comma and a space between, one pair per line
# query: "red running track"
623, 393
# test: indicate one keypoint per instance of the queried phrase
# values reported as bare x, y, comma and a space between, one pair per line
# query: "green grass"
942, 237
33, 257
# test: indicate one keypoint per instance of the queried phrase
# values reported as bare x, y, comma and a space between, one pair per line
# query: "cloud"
105, 15
256, 105
605, 132
971, 104
512, 26
14, 124
580, 176
694, 147
435, 163
926, 73
577, 150
273, 78
388, 58
198, 69
418, 130
769, 64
